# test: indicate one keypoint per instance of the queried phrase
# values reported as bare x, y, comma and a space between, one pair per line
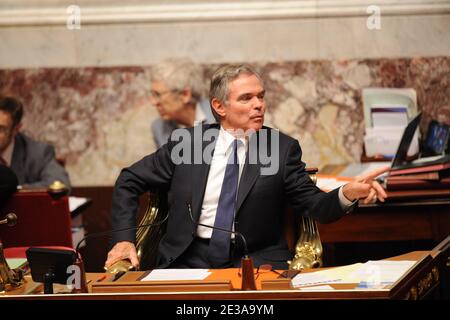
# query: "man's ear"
219, 108
186, 95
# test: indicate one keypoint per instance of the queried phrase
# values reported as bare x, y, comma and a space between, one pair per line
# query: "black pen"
118, 275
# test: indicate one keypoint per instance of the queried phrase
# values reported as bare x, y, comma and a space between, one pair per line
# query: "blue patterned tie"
219, 245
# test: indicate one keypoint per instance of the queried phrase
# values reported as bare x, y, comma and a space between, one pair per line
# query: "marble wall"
34, 34
86, 89
99, 118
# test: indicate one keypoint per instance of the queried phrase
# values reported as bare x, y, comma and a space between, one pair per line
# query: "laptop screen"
437, 139
405, 142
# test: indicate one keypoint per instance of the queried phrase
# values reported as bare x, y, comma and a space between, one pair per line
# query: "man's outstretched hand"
121, 251
365, 187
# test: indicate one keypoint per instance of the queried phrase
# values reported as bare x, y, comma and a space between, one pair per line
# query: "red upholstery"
41, 221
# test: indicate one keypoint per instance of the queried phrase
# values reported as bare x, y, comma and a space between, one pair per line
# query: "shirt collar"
225, 139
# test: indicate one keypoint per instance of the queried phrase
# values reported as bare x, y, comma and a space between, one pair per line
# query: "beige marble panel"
226, 41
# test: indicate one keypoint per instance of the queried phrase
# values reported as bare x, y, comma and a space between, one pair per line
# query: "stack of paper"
334, 275
381, 273
372, 274
177, 274
387, 112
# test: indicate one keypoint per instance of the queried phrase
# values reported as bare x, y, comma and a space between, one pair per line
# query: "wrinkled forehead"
159, 85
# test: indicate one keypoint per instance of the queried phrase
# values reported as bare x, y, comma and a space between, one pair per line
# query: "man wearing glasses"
177, 92
33, 162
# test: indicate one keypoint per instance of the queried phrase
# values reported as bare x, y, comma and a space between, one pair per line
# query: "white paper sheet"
76, 202
376, 273
317, 288
389, 116
372, 274
334, 275
177, 274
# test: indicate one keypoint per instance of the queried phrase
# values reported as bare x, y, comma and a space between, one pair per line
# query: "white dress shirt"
216, 174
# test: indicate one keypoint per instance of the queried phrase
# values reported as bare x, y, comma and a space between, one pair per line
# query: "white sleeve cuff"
345, 203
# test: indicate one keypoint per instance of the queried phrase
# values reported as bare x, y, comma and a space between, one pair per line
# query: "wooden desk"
406, 220
415, 218
423, 281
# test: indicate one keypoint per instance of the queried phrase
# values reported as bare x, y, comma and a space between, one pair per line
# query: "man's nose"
257, 103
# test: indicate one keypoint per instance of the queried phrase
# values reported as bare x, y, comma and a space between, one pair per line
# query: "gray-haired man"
178, 93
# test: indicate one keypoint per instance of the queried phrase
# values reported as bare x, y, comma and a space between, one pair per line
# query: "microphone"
248, 279
79, 261
103, 233
10, 220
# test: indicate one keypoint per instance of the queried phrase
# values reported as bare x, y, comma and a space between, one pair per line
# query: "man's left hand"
365, 187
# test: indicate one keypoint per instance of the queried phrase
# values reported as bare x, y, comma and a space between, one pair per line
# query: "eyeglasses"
264, 268
158, 95
5, 130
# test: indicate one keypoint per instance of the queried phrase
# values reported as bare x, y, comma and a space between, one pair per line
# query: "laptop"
400, 162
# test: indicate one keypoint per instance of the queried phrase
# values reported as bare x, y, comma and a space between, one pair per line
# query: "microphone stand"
248, 277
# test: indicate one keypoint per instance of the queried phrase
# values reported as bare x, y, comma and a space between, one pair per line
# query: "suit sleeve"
152, 172
304, 197
50, 170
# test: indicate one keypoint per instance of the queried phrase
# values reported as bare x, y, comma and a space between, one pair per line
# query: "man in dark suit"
233, 175
33, 162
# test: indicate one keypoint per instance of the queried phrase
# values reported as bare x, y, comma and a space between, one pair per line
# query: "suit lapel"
250, 174
18, 159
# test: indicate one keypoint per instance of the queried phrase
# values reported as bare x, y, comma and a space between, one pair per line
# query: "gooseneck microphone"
248, 278
10, 219
244, 242
103, 233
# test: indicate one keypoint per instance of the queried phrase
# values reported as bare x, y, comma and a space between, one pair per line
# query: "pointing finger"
381, 193
370, 197
373, 174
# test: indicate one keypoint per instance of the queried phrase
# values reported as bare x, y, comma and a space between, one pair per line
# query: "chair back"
302, 236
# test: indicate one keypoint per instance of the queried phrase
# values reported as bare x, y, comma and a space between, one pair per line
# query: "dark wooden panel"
395, 222
372, 226
97, 218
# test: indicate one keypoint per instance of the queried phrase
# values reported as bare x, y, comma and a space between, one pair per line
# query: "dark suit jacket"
8, 184
35, 164
260, 203
162, 129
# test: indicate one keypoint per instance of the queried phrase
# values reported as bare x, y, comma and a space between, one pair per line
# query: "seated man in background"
178, 93
33, 162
